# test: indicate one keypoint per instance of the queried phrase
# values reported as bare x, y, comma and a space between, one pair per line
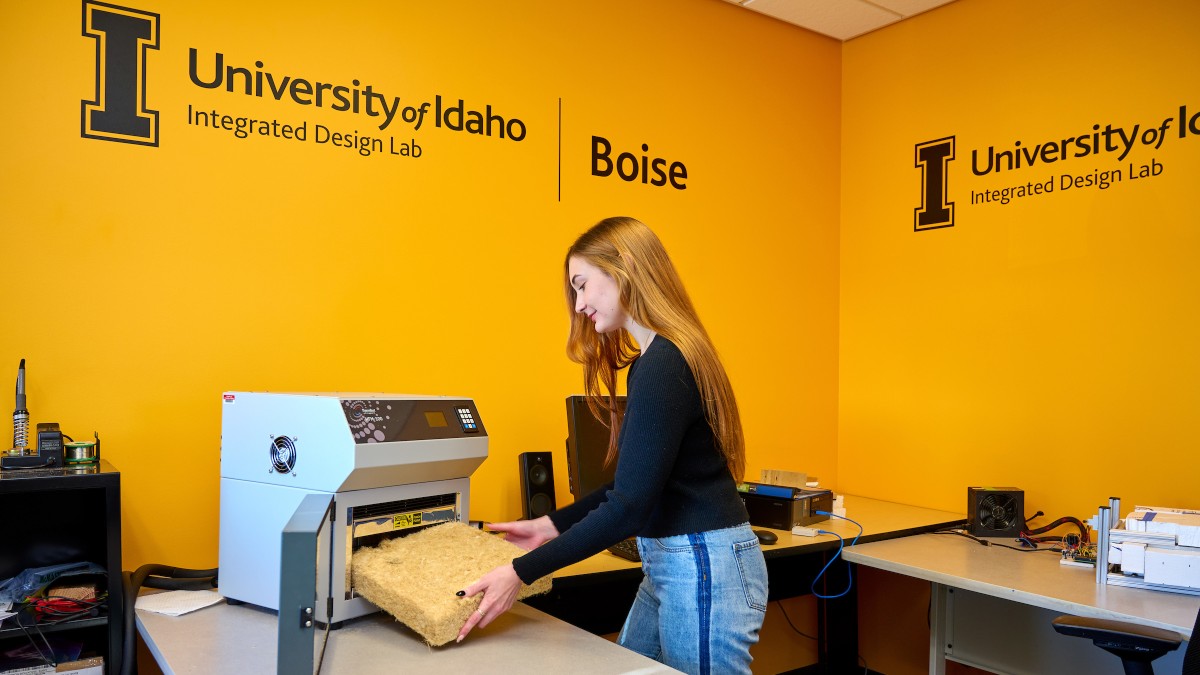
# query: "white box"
1132, 558
1172, 568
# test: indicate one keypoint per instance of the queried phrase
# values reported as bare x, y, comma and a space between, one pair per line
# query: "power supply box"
782, 508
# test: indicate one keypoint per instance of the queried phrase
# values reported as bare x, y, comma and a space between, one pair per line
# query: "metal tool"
20, 415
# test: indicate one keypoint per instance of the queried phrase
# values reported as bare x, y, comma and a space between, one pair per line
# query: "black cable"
1066, 520
33, 644
789, 620
867, 668
321, 658
985, 542
156, 576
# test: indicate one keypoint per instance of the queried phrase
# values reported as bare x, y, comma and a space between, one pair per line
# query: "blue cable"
841, 545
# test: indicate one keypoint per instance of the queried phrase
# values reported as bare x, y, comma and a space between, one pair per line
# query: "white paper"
175, 603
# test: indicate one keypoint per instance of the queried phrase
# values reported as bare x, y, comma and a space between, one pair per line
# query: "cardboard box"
92, 666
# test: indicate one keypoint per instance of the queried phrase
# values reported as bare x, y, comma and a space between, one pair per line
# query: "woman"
678, 449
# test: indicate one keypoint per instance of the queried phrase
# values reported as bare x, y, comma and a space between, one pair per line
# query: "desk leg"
939, 616
837, 623
837, 635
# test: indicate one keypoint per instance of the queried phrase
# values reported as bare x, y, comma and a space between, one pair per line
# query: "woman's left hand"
500, 588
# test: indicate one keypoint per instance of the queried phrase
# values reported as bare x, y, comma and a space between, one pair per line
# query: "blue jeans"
702, 601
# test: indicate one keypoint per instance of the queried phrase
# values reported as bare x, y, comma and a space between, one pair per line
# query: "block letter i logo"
122, 37
933, 159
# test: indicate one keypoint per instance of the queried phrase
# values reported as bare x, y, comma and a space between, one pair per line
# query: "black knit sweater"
670, 479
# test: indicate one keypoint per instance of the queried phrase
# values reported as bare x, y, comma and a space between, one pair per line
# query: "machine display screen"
436, 418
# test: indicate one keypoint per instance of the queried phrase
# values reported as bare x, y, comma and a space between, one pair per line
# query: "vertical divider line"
560, 148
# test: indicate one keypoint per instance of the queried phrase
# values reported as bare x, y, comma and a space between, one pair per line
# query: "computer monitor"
587, 445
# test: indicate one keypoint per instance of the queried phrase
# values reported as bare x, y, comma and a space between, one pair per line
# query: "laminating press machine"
389, 465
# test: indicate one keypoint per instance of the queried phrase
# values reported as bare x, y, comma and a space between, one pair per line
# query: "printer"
391, 464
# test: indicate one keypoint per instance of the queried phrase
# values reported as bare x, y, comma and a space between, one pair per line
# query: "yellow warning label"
403, 520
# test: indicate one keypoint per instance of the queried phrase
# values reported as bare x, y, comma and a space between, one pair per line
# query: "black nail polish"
461, 593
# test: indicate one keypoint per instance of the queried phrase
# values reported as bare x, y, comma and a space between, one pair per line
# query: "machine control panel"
389, 420
467, 420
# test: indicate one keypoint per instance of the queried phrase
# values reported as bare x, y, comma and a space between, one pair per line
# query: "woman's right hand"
528, 534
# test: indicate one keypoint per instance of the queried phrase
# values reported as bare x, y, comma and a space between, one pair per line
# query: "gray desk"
1017, 594
879, 519
241, 639
597, 592
234, 639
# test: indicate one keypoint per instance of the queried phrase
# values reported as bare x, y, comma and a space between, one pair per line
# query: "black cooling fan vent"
995, 512
998, 512
283, 454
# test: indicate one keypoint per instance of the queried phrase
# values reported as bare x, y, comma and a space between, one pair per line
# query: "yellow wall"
1049, 343
142, 282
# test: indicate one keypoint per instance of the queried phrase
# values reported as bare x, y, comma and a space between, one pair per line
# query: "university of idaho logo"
933, 159
123, 36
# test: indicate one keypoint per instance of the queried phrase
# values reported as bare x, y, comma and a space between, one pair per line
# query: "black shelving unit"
65, 515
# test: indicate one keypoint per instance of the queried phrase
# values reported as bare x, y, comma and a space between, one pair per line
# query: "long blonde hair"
652, 294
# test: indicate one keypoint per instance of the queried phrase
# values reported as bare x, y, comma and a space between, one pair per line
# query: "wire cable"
60, 608
789, 620
155, 576
841, 545
985, 542
1066, 520
49, 660
324, 642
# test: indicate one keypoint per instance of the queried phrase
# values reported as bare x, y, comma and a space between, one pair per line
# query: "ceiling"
841, 19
